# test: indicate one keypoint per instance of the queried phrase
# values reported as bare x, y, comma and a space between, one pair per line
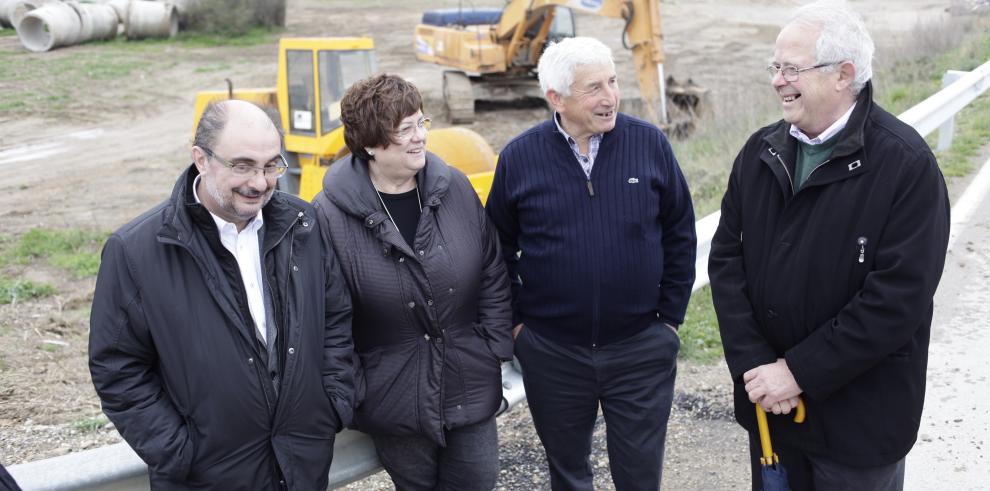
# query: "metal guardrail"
117, 467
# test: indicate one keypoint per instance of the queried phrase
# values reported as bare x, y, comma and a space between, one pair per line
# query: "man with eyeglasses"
831, 244
220, 340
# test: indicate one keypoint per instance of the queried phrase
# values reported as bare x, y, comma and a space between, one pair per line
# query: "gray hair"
843, 37
211, 124
557, 64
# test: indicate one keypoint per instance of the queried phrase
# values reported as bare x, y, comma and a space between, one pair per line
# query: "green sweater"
811, 156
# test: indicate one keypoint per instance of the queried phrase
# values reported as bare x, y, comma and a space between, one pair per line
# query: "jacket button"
371, 221
458, 407
292, 351
305, 224
771, 313
300, 214
450, 290
250, 360
411, 304
402, 259
429, 302
440, 247
295, 268
422, 252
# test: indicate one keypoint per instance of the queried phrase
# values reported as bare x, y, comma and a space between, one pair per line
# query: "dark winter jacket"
838, 279
601, 257
179, 369
431, 322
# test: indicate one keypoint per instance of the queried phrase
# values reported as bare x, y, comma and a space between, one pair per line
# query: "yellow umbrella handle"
761, 421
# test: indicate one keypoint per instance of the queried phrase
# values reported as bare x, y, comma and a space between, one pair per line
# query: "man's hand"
773, 386
516, 330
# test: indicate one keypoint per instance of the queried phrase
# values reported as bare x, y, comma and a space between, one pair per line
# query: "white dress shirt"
246, 248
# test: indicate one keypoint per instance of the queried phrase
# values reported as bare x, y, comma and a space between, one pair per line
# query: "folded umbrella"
773, 472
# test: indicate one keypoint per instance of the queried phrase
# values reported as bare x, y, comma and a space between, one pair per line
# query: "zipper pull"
591, 189
862, 249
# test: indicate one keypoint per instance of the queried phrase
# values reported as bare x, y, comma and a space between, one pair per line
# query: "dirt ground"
120, 148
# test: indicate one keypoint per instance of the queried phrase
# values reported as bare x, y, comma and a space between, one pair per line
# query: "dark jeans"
469, 461
814, 473
632, 379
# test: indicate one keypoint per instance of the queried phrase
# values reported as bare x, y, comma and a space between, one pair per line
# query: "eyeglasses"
405, 132
276, 167
791, 72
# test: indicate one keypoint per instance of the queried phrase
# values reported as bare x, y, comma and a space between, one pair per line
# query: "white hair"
559, 60
843, 38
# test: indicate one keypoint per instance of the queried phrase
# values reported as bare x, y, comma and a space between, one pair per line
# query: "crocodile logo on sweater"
633, 180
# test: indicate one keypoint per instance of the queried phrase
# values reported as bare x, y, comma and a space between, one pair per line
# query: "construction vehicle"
313, 74
492, 54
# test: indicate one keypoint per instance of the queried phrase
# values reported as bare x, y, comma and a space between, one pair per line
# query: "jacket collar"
783, 147
348, 186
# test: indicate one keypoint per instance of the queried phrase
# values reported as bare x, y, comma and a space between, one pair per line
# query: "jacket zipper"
789, 177
202, 267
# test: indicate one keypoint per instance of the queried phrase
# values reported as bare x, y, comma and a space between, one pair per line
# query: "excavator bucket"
686, 103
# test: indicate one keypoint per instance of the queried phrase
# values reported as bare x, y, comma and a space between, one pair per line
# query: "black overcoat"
837, 278
180, 372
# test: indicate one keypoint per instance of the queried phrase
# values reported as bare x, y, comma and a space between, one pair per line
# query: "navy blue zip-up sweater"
594, 260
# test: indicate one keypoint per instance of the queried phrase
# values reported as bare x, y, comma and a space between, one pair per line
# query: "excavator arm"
642, 34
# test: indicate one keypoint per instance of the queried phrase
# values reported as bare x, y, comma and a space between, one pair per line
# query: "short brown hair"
372, 110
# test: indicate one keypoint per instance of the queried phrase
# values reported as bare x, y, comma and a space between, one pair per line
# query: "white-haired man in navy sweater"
597, 229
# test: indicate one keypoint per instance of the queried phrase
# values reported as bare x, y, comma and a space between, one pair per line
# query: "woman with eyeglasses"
432, 316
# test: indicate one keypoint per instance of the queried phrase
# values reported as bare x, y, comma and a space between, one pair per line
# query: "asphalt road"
953, 448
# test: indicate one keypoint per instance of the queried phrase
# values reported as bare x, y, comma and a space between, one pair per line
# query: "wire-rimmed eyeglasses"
791, 72
274, 168
406, 131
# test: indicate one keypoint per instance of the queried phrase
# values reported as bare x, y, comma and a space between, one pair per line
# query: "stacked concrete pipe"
17, 9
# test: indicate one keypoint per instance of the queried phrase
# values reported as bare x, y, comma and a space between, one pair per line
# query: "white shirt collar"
222, 224
829, 132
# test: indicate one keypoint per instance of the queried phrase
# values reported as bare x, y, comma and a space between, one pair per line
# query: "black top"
404, 209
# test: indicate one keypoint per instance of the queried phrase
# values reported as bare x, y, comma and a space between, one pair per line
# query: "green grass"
18, 290
972, 132
7, 32
253, 37
700, 340
74, 250
91, 425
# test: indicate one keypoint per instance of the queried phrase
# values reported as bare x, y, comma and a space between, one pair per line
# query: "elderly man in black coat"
220, 340
830, 247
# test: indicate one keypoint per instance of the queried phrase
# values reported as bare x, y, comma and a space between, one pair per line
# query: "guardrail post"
948, 129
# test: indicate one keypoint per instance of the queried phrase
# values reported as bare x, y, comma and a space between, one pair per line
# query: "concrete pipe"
99, 21
5, 14
17, 9
151, 20
49, 26
120, 7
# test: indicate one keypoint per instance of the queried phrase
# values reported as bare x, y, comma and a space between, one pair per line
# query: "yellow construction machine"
492, 54
313, 74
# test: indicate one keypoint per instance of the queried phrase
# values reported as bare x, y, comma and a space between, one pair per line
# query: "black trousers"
469, 462
632, 380
814, 473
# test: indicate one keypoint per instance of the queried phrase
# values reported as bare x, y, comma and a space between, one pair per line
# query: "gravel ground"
706, 450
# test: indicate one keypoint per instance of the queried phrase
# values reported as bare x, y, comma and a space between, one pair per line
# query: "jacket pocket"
480, 375
392, 386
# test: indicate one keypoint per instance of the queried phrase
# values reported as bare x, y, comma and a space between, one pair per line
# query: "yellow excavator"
313, 74
492, 54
